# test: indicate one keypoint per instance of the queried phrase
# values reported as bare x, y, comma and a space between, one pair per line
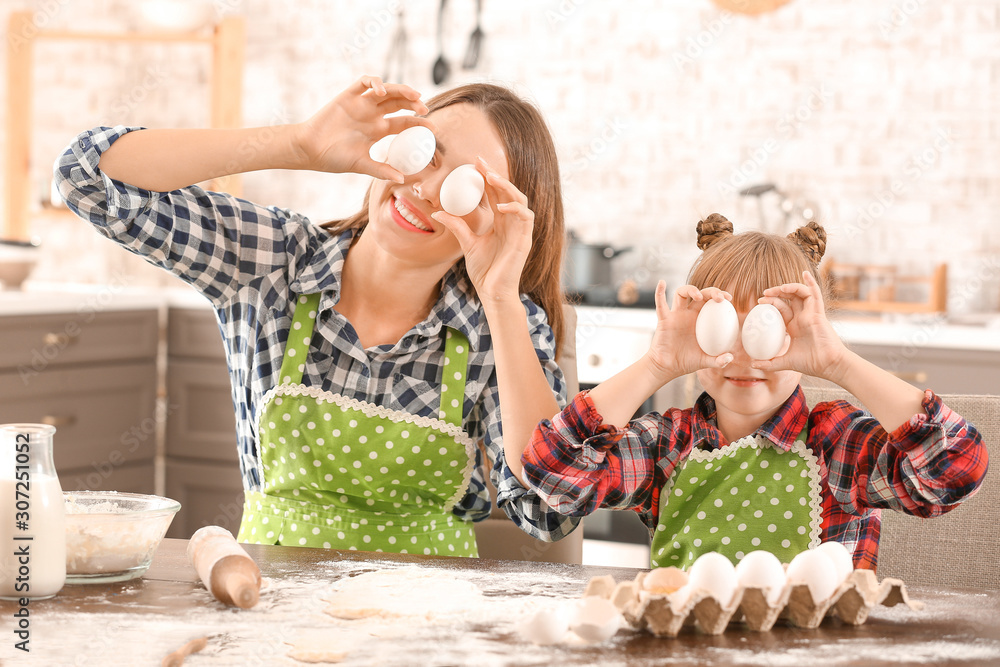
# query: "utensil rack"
872, 288
227, 40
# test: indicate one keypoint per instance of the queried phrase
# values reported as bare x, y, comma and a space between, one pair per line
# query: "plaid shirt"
925, 467
251, 261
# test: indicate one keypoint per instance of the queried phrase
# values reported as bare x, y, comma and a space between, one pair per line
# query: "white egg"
840, 556
380, 149
714, 573
595, 619
763, 332
762, 569
717, 327
548, 625
462, 190
411, 150
816, 570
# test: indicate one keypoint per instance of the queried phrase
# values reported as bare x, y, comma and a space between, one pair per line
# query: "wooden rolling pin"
224, 567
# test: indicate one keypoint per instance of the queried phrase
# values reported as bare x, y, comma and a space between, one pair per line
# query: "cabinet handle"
915, 376
59, 421
57, 339
594, 360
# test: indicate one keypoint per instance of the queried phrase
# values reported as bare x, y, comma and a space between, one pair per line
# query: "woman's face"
400, 214
745, 395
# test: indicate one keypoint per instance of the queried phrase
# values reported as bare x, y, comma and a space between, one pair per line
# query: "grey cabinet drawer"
194, 333
33, 344
104, 415
210, 494
946, 371
202, 423
128, 478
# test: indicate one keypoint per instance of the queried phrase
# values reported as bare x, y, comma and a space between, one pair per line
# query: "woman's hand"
815, 348
339, 136
674, 350
495, 257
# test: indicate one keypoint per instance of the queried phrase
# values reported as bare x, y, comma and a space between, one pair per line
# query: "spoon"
440, 71
475, 40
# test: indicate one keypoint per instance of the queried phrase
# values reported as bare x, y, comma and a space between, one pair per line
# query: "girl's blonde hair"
534, 170
748, 263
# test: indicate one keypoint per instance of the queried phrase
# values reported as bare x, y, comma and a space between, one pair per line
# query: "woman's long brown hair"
534, 170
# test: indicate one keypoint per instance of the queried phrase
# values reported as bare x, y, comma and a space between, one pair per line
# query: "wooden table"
138, 622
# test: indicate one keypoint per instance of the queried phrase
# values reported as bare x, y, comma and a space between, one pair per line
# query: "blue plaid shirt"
251, 261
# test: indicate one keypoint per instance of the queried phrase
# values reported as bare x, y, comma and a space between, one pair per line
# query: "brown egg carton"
851, 602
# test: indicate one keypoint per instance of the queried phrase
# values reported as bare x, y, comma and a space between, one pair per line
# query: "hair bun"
712, 229
812, 240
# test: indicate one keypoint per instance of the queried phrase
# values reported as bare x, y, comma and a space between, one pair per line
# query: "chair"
960, 548
497, 536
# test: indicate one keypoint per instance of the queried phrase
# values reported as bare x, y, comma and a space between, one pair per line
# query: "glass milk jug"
32, 514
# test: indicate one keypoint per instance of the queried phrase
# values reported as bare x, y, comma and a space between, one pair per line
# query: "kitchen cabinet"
92, 375
201, 456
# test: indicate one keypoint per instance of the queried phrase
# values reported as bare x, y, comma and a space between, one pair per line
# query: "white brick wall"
660, 110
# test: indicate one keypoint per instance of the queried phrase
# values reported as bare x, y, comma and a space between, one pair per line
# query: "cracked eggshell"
762, 569
841, 558
717, 327
595, 619
548, 625
411, 150
714, 573
462, 190
763, 332
814, 569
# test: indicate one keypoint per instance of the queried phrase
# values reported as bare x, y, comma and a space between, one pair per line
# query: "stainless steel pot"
588, 266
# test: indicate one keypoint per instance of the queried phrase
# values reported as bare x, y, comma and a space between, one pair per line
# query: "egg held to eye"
717, 327
412, 150
462, 190
763, 332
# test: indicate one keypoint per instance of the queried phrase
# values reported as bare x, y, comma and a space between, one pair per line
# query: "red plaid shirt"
925, 467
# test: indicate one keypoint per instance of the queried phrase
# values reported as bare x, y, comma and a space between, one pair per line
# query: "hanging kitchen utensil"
757, 191
440, 71
475, 40
395, 61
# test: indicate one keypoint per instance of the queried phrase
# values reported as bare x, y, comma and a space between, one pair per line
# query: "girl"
749, 466
369, 358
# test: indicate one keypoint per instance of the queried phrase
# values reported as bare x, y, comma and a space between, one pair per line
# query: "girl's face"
746, 397
400, 214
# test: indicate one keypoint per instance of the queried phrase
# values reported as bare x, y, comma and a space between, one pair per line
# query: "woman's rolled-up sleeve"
216, 242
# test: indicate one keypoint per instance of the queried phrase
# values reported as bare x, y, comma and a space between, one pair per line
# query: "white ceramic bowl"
112, 536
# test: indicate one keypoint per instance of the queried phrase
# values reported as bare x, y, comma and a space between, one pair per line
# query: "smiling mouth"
409, 216
744, 381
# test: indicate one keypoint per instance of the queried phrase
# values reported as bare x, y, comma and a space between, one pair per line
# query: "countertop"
927, 331
468, 617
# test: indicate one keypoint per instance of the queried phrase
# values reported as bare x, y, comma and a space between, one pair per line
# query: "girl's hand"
495, 256
674, 350
815, 348
338, 137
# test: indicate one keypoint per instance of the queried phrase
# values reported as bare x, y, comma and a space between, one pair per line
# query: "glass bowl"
112, 536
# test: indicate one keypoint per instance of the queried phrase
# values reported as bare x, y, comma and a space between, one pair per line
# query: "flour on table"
410, 591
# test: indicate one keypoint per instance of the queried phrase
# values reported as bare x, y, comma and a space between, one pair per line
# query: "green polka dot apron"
346, 474
745, 496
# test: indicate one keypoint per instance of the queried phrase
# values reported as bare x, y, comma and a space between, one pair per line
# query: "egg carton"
665, 614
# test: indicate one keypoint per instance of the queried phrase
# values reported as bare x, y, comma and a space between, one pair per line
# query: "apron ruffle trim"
815, 500
395, 416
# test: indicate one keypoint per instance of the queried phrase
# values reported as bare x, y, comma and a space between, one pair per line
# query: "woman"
367, 361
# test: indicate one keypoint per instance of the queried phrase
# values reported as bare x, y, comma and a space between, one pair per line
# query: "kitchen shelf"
227, 38
880, 297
